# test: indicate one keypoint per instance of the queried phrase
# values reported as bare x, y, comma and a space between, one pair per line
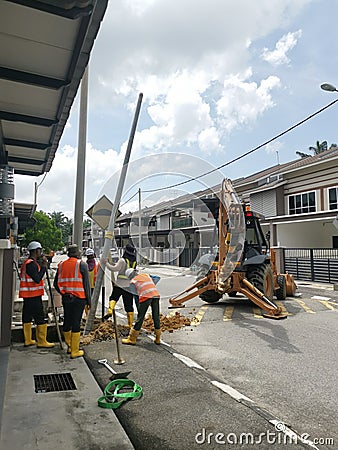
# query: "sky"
218, 77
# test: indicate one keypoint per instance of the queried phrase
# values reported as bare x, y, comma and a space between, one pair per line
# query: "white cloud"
274, 147
56, 191
242, 101
196, 64
175, 57
278, 56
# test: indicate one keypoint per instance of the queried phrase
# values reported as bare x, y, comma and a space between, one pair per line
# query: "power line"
130, 198
244, 154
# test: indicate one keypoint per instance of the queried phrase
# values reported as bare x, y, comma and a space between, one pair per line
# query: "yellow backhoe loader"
244, 263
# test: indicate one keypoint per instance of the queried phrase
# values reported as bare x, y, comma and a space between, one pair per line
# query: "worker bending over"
148, 296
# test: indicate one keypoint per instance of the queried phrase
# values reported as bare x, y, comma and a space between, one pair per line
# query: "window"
302, 203
333, 198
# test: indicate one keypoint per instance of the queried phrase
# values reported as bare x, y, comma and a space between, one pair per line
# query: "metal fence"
312, 264
183, 257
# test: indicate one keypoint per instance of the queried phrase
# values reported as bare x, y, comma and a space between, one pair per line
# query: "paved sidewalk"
71, 419
67, 419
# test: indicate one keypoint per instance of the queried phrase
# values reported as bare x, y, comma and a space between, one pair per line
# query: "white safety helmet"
130, 272
34, 245
89, 252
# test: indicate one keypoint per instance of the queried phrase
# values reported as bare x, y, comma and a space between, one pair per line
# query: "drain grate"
54, 382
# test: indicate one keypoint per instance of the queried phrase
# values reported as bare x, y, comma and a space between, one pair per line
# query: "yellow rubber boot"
68, 336
112, 304
131, 339
130, 317
75, 346
27, 332
41, 332
157, 337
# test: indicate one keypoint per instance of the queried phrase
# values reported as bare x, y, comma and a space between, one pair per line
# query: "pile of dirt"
104, 331
168, 323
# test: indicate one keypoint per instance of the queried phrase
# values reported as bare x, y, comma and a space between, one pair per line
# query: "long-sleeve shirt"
120, 267
34, 273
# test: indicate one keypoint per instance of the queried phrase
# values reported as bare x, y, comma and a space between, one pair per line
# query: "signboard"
100, 212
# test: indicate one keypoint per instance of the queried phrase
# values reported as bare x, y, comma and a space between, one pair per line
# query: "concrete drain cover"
54, 382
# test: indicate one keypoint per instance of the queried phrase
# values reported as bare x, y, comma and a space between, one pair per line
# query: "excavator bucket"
291, 286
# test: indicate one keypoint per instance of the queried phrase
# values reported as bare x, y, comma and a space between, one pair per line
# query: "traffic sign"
100, 212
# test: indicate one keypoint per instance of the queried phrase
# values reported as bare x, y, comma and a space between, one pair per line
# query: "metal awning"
24, 212
44, 50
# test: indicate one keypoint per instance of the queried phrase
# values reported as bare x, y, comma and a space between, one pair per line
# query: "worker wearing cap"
31, 291
148, 294
72, 282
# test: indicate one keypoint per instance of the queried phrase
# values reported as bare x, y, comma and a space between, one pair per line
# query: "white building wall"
163, 222
317, 234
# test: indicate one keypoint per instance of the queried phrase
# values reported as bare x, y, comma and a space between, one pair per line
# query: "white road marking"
319, 297
187, 361
231, 391
152, 338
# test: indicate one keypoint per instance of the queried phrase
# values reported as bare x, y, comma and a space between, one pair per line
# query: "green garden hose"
113, 399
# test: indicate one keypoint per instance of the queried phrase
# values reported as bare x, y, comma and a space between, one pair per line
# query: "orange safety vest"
70, 279
145, 287
28, 287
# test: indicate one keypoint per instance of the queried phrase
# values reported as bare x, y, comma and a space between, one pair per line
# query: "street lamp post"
328, 87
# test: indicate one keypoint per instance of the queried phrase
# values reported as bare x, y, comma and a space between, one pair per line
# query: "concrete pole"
81, 164
139, 227
109, 235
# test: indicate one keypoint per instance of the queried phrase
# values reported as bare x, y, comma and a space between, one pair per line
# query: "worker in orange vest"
72, 282
148, 295
31, 291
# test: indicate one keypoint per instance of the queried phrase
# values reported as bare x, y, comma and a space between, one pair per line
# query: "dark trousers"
73, 310
33, 309
127, 297
155, 311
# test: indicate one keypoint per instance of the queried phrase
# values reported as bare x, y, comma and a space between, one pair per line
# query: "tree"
87, 223
319, 148
64, 224
44, 231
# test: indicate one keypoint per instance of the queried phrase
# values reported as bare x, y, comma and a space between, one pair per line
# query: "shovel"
115, 375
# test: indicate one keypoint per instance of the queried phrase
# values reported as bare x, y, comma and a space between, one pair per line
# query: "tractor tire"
261, 277
207, 296
210, 296
281, 292
232, 294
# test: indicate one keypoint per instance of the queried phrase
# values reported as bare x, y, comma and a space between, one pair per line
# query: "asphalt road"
232, 376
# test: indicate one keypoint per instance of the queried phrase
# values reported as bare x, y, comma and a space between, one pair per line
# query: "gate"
312, 264
188, 256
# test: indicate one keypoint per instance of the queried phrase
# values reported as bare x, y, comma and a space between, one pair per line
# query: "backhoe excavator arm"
231, 231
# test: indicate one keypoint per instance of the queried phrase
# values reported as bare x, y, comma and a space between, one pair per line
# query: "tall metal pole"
109, 235
139, 227
81, 164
